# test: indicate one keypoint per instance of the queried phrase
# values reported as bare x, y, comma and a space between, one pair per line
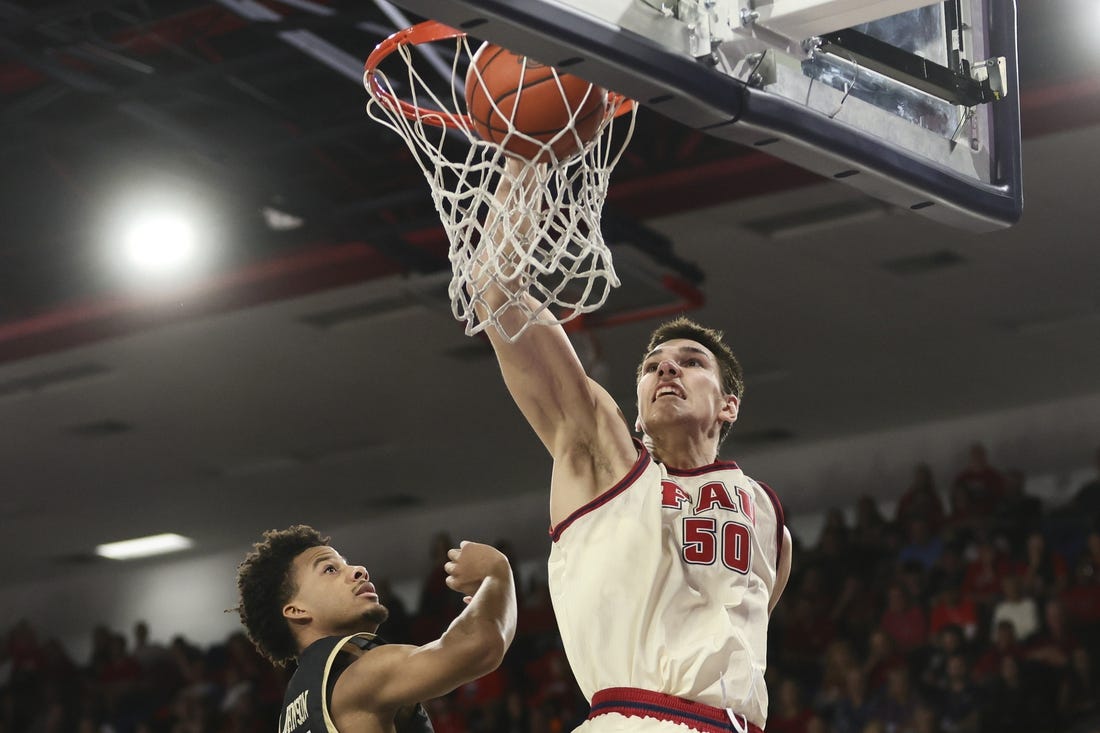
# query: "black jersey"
306, 703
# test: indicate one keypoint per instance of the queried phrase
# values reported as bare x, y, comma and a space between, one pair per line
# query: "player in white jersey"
665, 564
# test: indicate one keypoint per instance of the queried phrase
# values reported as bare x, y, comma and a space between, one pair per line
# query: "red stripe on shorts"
630, 701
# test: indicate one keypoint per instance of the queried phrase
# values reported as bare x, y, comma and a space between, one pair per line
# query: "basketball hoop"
550, 211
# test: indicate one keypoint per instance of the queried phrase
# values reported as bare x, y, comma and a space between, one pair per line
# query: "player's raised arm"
573, 416
393, 675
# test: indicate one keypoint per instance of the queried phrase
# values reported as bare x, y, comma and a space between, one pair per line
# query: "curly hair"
733, 378
265, 584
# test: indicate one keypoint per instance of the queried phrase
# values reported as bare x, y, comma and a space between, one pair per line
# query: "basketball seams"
570, 112
596, 108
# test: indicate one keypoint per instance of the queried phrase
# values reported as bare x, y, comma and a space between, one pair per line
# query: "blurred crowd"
973, 609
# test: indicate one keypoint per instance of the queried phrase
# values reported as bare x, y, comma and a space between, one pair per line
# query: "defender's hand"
472, 562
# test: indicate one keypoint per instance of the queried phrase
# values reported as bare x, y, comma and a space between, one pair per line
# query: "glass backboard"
916, 104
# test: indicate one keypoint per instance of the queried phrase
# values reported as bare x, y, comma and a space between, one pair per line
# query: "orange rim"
428, 32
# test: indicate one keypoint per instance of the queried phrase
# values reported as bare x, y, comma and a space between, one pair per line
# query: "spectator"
959, 704
920, 501
438, 603
838, 661
817, 724
1011, 706
896, 706
946, 643
905, 622
868, 532
983, 484
1087, 499
398, 629
832, 556
925, 720
1053, 646
1079, 696
853, 710
514, 717
1020, 611
882, 658
805, 636
1088, 564
922, 547
835, 522
988, 666
789, 714
963, 518
1051, 650
948, 571
982, 580
952, 609
1018, 513
856, 608
1082, 598
1043, 571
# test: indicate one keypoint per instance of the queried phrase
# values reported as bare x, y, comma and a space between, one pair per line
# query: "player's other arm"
574, 417
393, 676
783, 572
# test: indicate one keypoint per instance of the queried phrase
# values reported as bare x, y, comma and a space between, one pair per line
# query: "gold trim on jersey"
329, 724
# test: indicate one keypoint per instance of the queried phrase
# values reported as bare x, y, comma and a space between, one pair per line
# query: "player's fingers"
449, 568
453, 553
463, 543
450, 581
467, 599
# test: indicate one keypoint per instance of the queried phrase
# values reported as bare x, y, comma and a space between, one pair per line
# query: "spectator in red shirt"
982, 581
905, 622
952, 609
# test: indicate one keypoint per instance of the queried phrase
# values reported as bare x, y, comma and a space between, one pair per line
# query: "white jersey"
663, 582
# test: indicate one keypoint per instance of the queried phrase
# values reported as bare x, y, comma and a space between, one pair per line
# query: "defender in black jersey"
300, 600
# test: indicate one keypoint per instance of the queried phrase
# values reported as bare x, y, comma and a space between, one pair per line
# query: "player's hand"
472, 562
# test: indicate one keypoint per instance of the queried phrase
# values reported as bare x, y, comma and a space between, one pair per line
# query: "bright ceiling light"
157, 232
160, 242
157, 544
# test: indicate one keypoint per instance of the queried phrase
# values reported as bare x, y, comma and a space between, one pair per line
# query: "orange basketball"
537, 103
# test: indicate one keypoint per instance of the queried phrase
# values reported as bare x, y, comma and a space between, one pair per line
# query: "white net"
524, 236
